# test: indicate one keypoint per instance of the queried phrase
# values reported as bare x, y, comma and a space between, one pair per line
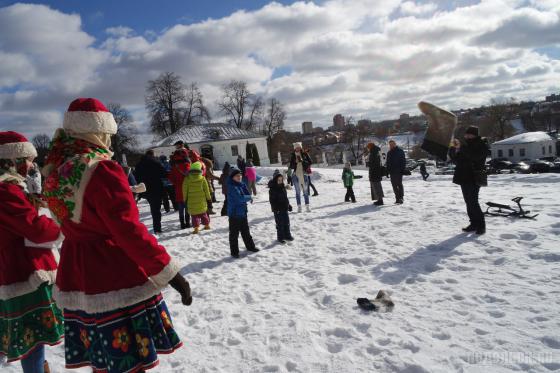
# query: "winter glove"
182, 286
290, 208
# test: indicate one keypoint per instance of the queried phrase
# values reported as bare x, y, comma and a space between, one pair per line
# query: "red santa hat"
14, 145
89, 115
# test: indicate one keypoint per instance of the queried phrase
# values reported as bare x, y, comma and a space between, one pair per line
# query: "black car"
540, 166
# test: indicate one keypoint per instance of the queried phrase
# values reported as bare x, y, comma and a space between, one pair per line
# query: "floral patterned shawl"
69, 166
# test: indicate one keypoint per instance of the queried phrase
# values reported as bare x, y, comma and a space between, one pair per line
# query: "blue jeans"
34, 362
298, 189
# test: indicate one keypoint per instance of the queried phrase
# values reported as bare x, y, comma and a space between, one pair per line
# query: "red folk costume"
111, 269
28, 315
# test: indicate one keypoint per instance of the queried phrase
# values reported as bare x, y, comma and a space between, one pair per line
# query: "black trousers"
155, 210
349, 195
236, 226
168, 193
224, 208
312, 186
398, 189
282, 219
470, 195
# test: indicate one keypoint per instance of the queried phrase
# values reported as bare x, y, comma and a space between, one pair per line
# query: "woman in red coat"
111, 269
180, 165
29, 319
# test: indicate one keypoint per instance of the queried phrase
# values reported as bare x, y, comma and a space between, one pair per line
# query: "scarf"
68, 169
299, 169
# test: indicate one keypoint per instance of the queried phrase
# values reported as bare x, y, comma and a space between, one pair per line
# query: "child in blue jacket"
237, 196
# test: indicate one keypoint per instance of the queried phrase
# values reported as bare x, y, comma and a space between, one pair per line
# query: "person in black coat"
396, 166
376, 173
424, 171
470, 173
280, 205
151, 172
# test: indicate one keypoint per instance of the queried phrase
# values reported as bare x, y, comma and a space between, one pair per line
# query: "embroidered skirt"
28, 321
125, 340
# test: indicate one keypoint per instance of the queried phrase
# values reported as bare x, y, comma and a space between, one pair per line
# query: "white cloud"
363, 58
413, 8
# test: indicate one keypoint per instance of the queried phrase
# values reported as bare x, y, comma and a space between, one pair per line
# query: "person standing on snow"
29, 317
151, 172
300, 163
424, 171
238, 196
376, 173
197, 197
180, 165
168, 189
396, 166
280, 205
111, 270
251, 175
348, 180
315, 193
470, 173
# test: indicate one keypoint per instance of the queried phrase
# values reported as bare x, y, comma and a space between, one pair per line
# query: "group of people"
104, 295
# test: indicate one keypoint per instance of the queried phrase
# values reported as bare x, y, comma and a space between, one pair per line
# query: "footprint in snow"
508, 236
344, 279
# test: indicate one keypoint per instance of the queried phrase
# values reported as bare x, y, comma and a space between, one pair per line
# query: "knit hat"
298, 145
14, 145
472, 130
234, 171
196, 166
89, 115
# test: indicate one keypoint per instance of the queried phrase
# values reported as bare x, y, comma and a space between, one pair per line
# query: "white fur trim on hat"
298, 145
15, 150
90, 122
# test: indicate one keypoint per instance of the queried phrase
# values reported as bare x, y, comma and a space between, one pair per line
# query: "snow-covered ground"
463, 303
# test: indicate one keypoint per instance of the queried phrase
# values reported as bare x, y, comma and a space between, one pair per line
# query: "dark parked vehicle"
522, 167
540, 166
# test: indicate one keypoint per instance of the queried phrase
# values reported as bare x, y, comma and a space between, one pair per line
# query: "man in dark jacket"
280, 205
396, 165
470, 173
376, 173
151, 172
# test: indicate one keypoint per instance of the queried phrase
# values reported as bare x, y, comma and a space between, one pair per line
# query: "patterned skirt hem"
137, 368
40, 343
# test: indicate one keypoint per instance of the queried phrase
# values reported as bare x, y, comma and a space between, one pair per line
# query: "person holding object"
300, 163
237, 198
396, 166
111, 271
376, 173
29, 317
470, 173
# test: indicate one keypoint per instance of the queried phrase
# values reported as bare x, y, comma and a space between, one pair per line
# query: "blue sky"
146, 15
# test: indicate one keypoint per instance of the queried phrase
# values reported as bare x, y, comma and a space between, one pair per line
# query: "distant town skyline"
362, 58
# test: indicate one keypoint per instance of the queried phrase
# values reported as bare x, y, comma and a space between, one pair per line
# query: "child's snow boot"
195, 230
307, 208
299, 208
207, 227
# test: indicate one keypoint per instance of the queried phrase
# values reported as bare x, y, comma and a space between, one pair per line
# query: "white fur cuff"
90, 122
15, 150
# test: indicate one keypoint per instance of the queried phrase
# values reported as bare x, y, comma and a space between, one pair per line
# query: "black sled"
497, 209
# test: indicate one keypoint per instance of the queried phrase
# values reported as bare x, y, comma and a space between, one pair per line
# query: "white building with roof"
525, 146
220, 142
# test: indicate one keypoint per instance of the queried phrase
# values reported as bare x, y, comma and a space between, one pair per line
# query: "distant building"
307, 127
552, 98
365, 123
526, 146
338, 122
404, 121
318, 129
217, 141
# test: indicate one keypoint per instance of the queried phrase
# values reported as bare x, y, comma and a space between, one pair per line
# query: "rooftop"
208, 133
525, 138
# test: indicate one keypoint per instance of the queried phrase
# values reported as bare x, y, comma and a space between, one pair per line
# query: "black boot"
469, 228
379, 202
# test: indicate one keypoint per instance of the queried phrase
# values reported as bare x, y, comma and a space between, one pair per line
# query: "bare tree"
256, 110
274, 120
234, 101
354, 138
499, 114
41, 143
195, 111
165, 97
125, 140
